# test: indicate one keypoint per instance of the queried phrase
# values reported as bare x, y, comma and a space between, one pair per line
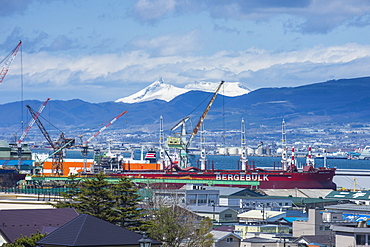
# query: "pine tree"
96, 198
71, 192
115, 203
128, 214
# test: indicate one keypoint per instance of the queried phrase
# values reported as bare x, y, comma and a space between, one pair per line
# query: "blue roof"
15, 162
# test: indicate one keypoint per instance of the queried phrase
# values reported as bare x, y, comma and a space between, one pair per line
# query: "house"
351, 212
192, 195
216, 213
261, 215
257, 230
225, 239
315, 225
267, 242
15, 223
319, 240
87, 230
358, 235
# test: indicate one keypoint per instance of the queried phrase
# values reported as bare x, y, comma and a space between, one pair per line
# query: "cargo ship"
174, 171
159, 174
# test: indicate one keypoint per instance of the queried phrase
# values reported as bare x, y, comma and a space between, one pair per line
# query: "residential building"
258, 230
87, 230
261, 216
315, 225
218, 214
225, 239
24, 222
352, 235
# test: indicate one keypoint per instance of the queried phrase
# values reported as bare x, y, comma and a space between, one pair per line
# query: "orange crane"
85, 146
8, 61
180, 142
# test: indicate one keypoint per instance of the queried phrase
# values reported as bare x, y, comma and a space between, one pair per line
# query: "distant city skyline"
101, 51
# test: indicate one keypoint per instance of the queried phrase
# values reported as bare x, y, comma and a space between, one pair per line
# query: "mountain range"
343, 101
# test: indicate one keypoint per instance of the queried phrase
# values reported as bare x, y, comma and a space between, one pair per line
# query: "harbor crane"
58, 146
180, 142
8, 61
85, 143
27, 129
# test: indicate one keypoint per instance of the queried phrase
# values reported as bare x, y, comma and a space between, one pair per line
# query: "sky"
103, 50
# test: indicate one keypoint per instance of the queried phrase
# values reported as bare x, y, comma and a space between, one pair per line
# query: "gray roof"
229, 191
349, 207
220, 235
260, 240
29, 221
87, 230
321, 239
208, 209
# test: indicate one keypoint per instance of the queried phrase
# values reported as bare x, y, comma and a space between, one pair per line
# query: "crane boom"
41, 126
33, 120
197, 127
106, 126
8, 61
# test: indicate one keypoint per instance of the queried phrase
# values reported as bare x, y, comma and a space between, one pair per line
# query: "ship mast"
203, 159
284, 155
243, 156
161, 142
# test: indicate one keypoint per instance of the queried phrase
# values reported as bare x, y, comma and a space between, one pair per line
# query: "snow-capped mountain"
163, 91
230, 89
156, 90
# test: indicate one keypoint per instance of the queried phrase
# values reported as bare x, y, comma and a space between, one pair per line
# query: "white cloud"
256, 68
171, 44
149, 10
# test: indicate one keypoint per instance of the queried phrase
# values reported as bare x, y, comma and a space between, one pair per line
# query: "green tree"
115, 203
176, 226
24, 241
94, 197
126, 199
71, 192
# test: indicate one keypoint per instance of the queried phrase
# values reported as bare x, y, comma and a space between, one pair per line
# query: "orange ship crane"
180, 142
85, 146
8, 61
58, 146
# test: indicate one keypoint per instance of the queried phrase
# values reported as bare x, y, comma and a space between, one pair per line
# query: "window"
327, 228
361, 239
192, 199
202, 199
229, 240
228, 215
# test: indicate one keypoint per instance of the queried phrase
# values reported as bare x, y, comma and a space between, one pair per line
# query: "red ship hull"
321, 178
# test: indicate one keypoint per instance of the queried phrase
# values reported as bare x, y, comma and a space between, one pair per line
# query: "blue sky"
102, 50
